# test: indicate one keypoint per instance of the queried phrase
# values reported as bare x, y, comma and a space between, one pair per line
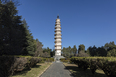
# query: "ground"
78, 72
34, 72
57, 69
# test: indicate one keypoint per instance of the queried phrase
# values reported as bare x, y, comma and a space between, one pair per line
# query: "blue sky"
88, 22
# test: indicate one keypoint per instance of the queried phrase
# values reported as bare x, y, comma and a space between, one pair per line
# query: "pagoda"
58, 38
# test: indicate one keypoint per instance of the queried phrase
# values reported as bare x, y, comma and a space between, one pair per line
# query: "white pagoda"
58, 38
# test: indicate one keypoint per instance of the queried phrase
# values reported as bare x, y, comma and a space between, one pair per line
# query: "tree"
101, 51
11, 30
46, 51
15, 36
81, 51
83, 54
110, 48
70, 51
29, 45
74, 50
92, 50
39, 50
65, 52
111, 53
52, 53
81, 48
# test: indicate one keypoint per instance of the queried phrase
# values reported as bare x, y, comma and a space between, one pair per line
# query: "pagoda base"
57, 58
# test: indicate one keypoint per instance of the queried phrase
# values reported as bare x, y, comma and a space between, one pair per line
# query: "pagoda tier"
56, 37
57, 31
57, 27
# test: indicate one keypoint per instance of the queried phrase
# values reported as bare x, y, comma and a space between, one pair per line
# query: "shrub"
6, 66
109, 67
9, 64
47, 60
32, 62
66, 60
82, 54
107, 64
20, 64
93, 65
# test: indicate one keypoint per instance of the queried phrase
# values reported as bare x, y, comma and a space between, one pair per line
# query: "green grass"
78, 72
34, 72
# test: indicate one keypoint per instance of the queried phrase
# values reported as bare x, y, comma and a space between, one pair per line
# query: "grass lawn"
34, 72
78, 72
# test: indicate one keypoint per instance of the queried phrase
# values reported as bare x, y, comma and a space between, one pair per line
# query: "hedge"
65, 60
9, 64
107, 64
47, 60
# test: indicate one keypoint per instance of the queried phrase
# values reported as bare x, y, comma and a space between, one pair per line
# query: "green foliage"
29, 42
74, 50
11, 30
69, 52
52, 53
9, 64
94, 51
66, 60
65, 52
15, 37
81, 51
107, 64
6, 66
81, 48
82, 54
112, 53
47, 60
39, 50
46, 52
109, 49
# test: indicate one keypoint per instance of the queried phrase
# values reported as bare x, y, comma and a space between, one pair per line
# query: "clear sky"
88, 22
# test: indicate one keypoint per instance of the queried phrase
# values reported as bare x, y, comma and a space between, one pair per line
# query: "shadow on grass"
25, 71
78, 72
36, 66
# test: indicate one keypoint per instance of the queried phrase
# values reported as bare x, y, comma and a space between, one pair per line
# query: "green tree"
52, 53
81, 48
70, 51
92, 50
11, 29
29, 45
82, 52
110, 48
39, 50
46, 52
74, 50
65, 52
101, 51
111, 53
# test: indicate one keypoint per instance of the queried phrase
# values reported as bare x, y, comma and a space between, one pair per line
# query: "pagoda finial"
58, 16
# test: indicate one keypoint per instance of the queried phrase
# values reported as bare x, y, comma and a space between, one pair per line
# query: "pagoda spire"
58, 16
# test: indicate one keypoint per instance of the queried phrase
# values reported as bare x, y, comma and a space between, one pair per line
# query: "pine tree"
10, 29
29, 43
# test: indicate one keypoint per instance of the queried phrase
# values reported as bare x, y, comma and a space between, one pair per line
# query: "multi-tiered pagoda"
58, 38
